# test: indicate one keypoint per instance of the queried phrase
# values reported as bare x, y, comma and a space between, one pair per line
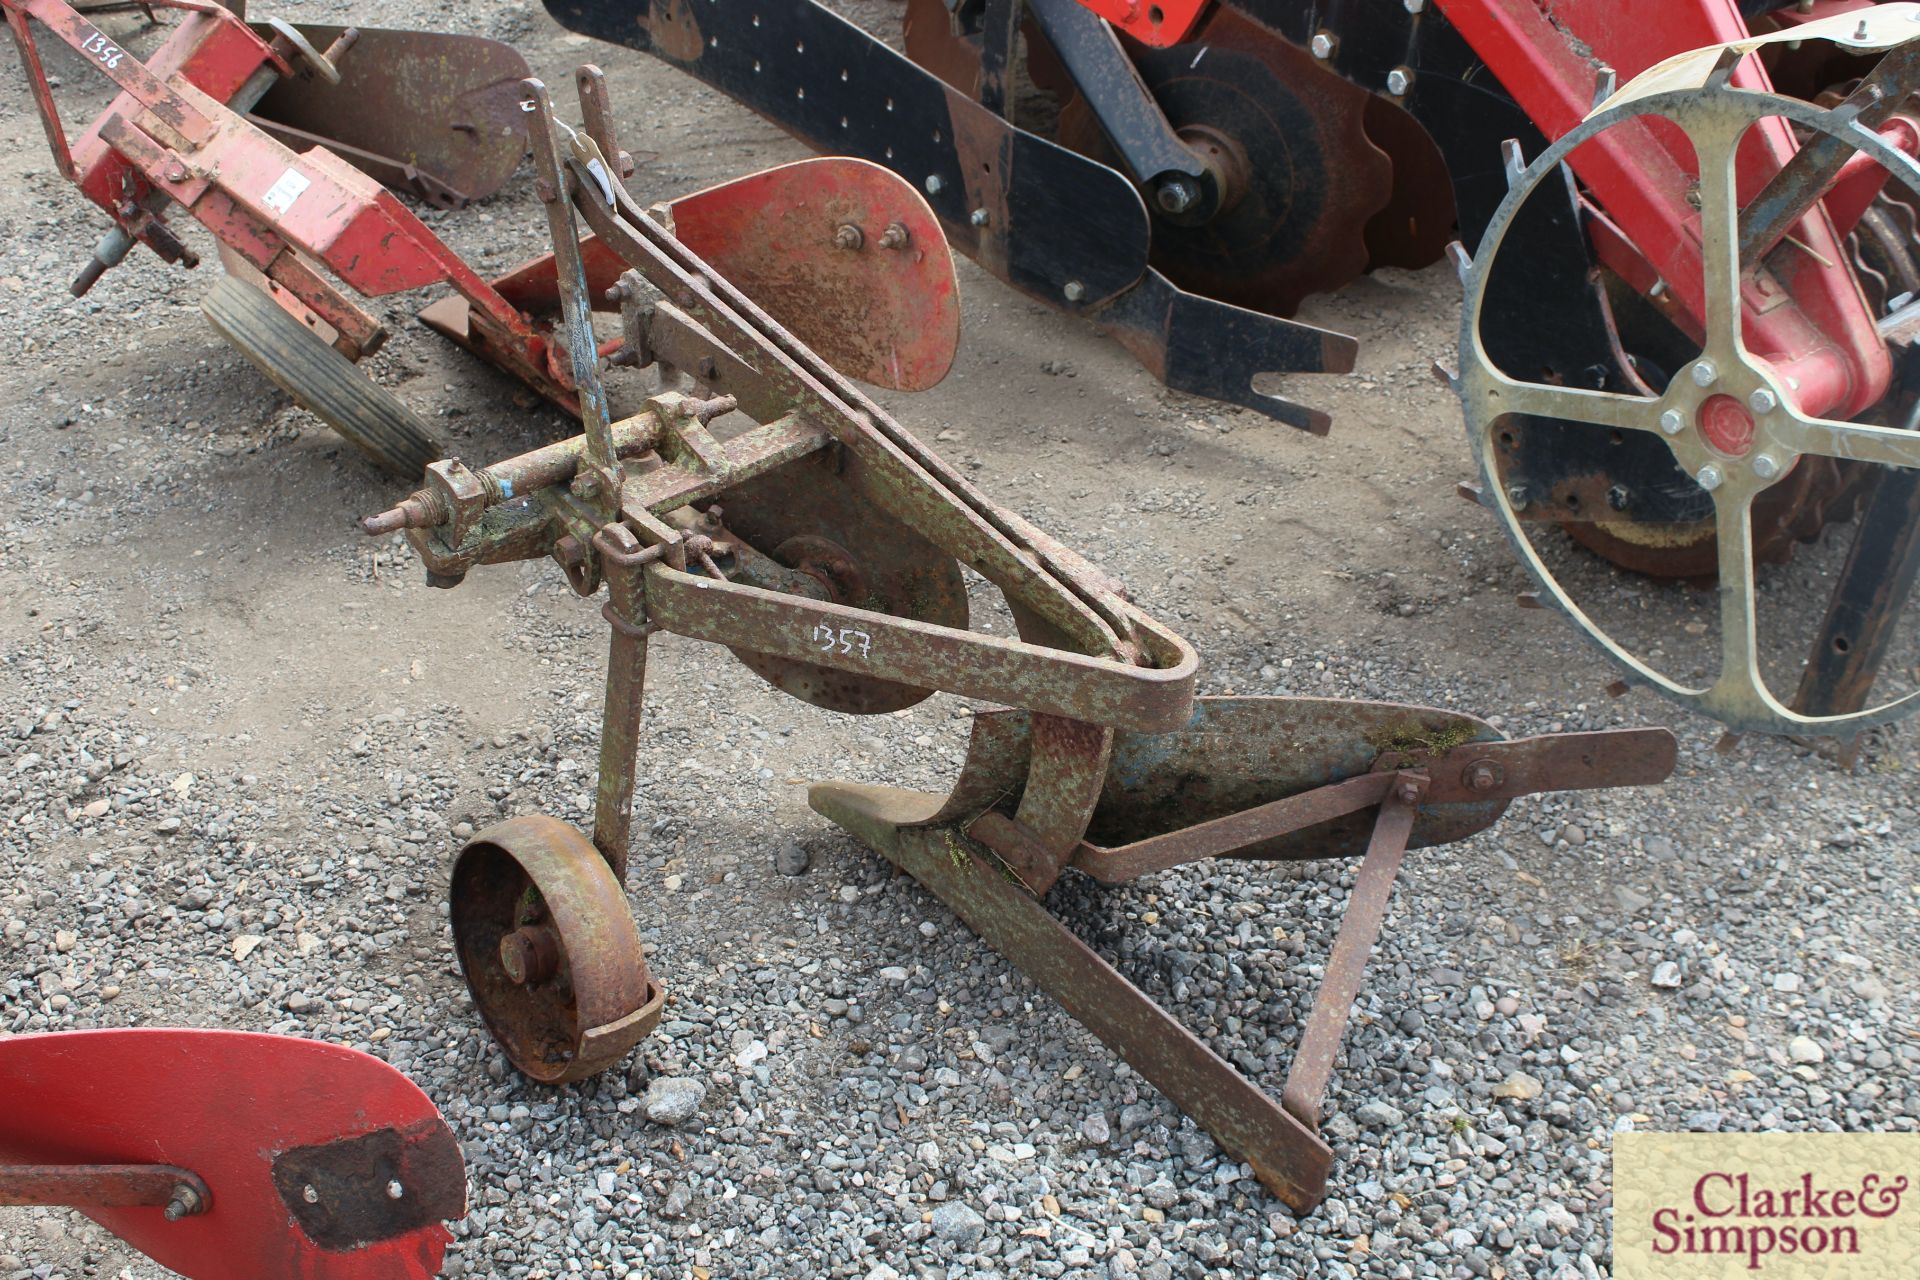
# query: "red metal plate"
260, 1119
1155, 22
886, 315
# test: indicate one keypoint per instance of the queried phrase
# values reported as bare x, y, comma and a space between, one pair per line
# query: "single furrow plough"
823, 544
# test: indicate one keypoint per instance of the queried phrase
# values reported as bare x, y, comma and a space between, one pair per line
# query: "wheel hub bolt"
1709, 476
1177, 195
530, 955
1762, 401
1704, 373
1766, 466
1673, 422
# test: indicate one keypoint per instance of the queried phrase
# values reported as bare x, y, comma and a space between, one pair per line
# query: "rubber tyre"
320, 379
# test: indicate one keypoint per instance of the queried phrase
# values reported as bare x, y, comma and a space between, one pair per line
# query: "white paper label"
281, 195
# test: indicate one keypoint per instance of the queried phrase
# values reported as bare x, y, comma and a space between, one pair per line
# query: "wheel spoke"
1575, 404
1854, 441
1739, 620
1715, 148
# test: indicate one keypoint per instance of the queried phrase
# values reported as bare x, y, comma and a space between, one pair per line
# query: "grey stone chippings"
232, 784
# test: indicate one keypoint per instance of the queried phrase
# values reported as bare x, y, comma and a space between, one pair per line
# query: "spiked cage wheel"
1729, 418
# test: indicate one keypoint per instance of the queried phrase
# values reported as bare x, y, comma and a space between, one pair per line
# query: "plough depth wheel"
320, 379
549, 949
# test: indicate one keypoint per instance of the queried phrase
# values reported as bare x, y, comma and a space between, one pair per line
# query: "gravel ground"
240, 745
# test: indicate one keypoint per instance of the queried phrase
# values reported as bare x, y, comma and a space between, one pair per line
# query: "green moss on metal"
1415, 738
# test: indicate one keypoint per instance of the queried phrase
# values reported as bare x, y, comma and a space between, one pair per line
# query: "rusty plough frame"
823, 546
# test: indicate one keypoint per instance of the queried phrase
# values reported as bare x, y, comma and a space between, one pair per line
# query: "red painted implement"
226, 1155
305, 231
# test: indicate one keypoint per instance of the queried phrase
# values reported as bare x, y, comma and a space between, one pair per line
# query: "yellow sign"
1784, 1206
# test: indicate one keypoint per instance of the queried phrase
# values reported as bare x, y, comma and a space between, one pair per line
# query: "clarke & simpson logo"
1785, 1205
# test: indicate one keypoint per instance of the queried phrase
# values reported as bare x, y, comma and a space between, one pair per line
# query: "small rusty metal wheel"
320, 379
549, 949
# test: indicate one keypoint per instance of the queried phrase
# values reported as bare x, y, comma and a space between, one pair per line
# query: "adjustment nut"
1482, 776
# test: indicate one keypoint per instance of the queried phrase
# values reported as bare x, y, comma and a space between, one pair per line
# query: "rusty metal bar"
620, 714
105, 1186
1805, 179
968, 663
1288, 1157
576, 309
42, 92
1340, 985
596, 113
1236, 831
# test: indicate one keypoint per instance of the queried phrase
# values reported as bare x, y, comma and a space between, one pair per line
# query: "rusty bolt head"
176, 172
1483, 775
530, 955
1407, 793
184, 1202
848, 236
616, 294
586, 486
894, 237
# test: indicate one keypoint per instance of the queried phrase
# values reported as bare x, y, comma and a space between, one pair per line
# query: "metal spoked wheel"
1731, 419
320, 379
549, 949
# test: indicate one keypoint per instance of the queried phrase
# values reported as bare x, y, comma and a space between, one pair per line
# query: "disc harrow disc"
1301, 178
